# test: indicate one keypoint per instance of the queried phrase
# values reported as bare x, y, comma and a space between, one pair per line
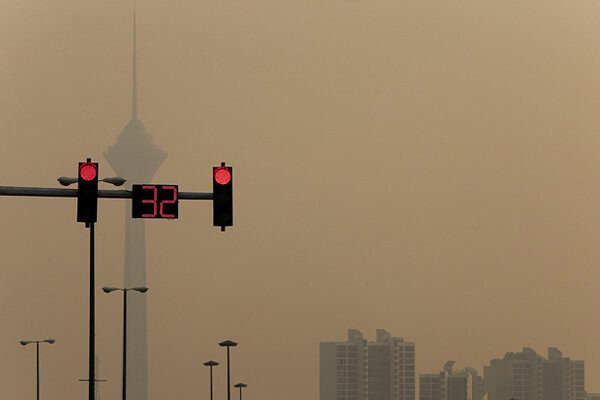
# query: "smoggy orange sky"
427, 167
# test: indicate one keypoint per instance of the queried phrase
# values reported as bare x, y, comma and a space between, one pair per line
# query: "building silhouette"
528, 376
592, 396
360, 370
448, 384
135, 157
342, 369
577, 380
429, 386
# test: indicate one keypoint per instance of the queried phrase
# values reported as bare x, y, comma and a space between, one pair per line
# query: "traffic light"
87, 192
222, 196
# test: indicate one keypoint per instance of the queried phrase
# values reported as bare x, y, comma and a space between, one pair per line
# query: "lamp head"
141, 289
109, 289
50, 341
240, 385
211, 363
228, 343
67, 180
24, 342
116, 181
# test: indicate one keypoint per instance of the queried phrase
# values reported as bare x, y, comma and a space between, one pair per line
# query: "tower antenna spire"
134, 71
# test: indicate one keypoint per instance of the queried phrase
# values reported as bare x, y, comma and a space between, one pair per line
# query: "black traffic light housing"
222, 196
87, 192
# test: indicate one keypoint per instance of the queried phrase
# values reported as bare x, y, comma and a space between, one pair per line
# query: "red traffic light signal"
222, 196
88, 171
87, 192
222, 175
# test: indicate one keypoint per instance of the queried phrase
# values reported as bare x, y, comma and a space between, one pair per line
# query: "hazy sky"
428, 167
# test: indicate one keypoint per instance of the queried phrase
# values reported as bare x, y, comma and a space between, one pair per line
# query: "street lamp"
116, 181
125, 290
67, 180
37, 359
211, 364
240, 386
228, 344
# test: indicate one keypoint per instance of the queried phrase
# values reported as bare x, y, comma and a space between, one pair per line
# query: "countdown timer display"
154, 201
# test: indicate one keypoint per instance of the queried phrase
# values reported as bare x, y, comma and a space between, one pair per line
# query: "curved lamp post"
37, 360
124, 290
115, 180
240, 386
211, 364
228, 344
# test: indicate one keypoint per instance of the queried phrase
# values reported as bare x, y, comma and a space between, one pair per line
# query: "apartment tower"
360, 370
528, 376
448, 384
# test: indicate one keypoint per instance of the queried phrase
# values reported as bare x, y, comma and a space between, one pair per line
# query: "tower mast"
135, 157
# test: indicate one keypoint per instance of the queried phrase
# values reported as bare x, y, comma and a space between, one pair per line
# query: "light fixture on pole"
240, 386
228, 344
125, 290
115, 180
211, 364
37, 360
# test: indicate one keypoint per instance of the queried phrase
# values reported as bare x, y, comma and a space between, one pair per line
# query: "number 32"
158, 207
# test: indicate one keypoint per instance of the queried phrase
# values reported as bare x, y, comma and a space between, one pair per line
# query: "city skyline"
384, 369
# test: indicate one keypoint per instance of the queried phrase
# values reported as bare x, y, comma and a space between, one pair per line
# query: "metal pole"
240, 393
92, 345
124, 344
37, 368
228, 382
102, 194
211, 383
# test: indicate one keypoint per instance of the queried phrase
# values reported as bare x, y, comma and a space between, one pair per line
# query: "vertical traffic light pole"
92, 344
87, 211
124, 372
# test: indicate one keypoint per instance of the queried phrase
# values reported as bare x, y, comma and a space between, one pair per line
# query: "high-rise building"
465, 384
342, 369
361, 370
135, 157
430, 386
516, 376
577, 381
556, 373
529, 376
